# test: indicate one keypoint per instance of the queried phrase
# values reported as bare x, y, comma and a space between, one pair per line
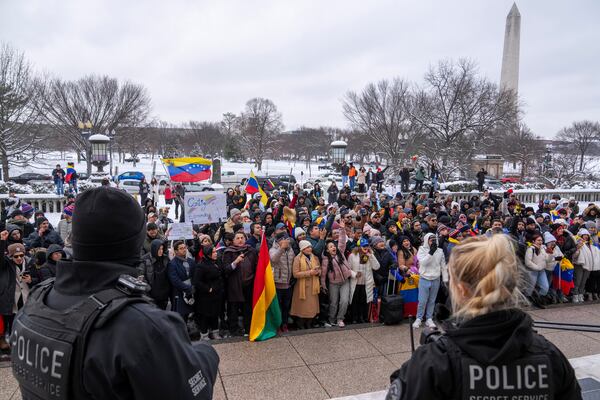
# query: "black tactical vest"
48, 346
530, 377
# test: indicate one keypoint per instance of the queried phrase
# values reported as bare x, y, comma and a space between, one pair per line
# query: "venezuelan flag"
252, 187
266, 315
70, 173
453, 241
188, 169
475, 226
410, 294
562, 276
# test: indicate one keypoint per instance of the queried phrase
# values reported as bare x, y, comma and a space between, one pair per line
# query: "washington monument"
509, 76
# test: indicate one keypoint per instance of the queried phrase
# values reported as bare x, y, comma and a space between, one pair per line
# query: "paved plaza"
337, 362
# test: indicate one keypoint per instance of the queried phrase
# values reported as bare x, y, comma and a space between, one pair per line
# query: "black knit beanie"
108, 225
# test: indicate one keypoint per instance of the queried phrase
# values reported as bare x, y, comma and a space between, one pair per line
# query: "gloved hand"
433, 248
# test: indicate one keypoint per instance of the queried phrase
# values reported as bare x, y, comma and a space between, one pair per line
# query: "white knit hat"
548, 237
298, 232
304, 244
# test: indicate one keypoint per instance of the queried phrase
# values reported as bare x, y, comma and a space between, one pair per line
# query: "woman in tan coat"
305, 300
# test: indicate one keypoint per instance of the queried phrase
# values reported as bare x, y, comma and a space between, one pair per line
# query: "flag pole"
163, 165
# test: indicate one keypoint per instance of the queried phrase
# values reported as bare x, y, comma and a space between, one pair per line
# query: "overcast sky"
200, 59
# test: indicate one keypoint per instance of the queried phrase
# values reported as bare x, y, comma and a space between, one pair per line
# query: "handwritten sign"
205, 207
181, 230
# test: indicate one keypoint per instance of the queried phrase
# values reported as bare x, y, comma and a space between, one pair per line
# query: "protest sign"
205, 207
180, 230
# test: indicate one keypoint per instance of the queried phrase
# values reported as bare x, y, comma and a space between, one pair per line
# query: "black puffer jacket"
386, 262
49, 238
490, 355
241, 276
155, 271
8, 281
210, 288
48, 269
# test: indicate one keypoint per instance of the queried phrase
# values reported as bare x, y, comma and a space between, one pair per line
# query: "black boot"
536, 301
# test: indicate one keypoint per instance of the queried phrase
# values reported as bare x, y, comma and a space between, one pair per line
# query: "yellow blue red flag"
188, 169
252, 187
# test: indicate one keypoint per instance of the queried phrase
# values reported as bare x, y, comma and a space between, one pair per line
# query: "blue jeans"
73, 185
344, 180
60, 187
427, 293
352, 182
540, 279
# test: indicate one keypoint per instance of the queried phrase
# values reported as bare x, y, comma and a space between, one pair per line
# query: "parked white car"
203, 186
231, 177
131, 186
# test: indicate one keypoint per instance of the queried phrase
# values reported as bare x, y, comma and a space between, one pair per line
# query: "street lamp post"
338, 152
99, 145
111, 136
86, 131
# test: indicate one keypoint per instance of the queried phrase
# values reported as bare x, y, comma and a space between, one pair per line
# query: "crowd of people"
335, 254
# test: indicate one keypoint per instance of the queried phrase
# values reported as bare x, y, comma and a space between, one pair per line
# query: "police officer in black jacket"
92, 333
488, 349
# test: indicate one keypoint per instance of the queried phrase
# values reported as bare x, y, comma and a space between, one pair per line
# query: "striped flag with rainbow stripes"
266, 315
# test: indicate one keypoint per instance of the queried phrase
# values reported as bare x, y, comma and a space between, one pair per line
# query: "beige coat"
308, 307
372, 264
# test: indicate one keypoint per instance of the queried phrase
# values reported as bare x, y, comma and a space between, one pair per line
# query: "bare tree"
520, 145
19, 135
580, 135
165, 138
359, 146
229, 124
133, 138
101, 100
304, 143
457, 110
562, 170
259, 123
381, 112
230, 127
207, 138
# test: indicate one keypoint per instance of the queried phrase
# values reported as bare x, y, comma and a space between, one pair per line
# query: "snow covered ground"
299, 169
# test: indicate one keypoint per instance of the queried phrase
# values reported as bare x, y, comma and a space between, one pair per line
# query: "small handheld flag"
252, 187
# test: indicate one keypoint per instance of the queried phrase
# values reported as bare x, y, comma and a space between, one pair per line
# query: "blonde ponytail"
487, 268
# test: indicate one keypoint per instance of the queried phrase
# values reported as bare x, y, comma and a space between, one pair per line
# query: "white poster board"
205, 207
181, 230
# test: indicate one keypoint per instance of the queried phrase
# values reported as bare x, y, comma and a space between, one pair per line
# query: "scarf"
314, 264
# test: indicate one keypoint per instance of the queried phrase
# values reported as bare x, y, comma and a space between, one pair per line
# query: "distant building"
492, 163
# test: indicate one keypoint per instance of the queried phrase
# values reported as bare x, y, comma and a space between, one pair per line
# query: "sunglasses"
18, 256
